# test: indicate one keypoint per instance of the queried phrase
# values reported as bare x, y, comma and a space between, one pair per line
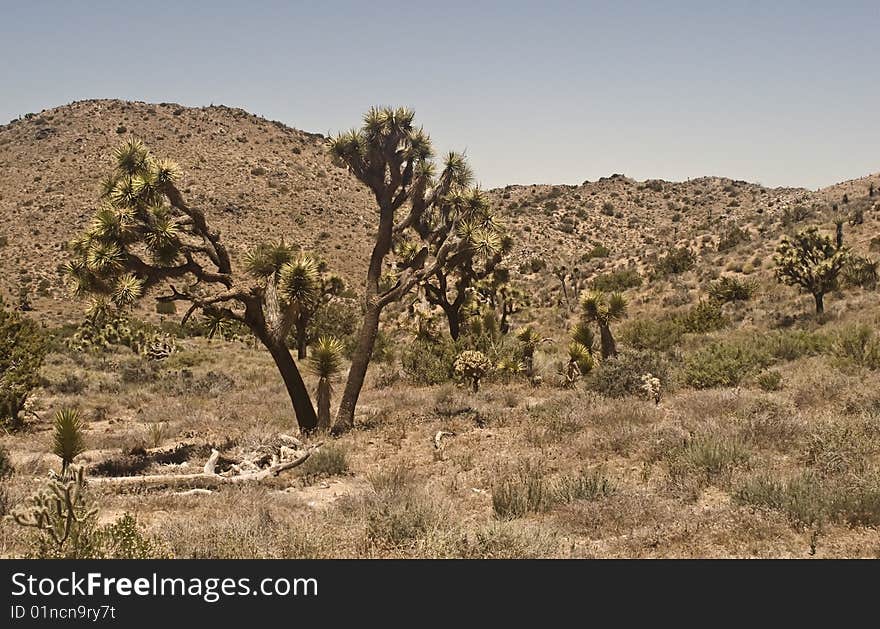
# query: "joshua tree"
430, 220
328, 287
67, 440
325, 362
812, 262
145, 234
502, 297
451, 284
529, 340
602, 309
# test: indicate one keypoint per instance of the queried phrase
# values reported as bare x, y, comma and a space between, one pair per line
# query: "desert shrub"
733, 236
399, 512
801, 499
330, 460
675, 262
722, 364
860, 272
621, 375
796, 214
843, 447
728, 289
123, 539
617, 281
770, 380
858, 345
584, 485
529, 490
6, 470
794, 344
599, 251
608, 208
660, 335
706, 316
22, 349
526, 490
706, 459
810, 501
427, 363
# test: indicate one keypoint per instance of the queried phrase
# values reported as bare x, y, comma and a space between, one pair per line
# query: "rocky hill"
260, 180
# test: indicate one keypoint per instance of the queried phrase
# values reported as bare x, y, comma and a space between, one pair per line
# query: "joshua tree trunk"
453, 316
360, 360
324, 405
609, 347
301, 339
296, 388
820, 302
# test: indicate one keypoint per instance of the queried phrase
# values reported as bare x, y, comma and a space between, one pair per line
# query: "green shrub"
427, 363
728, 289
22, 349
732, 237
621, 375
794, 344
599, 251
722, 364
706, 460
858, 345
330, 460
861, 272
660, 335
123, 539
706, 316
530, 490
769, 380
675, 262
617, 281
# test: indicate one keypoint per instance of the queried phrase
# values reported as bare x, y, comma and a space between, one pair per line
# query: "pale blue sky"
782, 93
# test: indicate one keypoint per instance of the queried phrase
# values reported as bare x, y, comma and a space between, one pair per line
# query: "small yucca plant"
325, 362
68, 440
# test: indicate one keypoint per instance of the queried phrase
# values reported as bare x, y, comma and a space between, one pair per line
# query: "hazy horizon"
556, 93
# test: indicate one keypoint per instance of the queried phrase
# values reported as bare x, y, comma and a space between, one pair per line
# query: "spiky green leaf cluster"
603, 309
325, 361
68, 440
133, 217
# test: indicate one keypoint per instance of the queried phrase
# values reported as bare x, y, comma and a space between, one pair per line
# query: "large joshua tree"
812, 262
145, 235
429, 218
602, 310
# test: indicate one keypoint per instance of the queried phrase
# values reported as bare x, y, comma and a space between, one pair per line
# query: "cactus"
62, 518
470, 367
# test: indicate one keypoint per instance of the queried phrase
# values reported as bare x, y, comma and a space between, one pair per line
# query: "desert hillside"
260, 180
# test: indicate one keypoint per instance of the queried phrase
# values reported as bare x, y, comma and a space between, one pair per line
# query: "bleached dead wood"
208, 478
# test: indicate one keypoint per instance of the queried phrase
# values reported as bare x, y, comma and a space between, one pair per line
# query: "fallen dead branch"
207, 478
